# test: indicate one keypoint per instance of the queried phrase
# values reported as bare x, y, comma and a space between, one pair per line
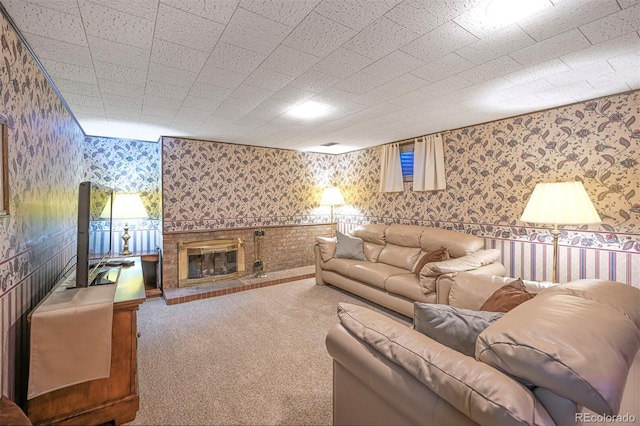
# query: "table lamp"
128, 206
332, 197
559, 203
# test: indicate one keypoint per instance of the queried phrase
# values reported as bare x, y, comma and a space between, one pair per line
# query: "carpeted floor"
257, 357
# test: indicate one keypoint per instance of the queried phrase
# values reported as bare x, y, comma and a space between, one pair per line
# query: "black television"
95, 204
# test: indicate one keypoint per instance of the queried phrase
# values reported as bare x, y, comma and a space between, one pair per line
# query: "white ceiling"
229, 70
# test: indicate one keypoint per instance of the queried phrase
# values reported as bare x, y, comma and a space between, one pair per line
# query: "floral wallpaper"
127, 166
210, 185
45, 167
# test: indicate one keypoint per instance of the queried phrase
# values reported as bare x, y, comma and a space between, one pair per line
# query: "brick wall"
283, 247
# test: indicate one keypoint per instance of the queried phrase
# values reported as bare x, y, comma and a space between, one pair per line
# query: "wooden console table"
113, 399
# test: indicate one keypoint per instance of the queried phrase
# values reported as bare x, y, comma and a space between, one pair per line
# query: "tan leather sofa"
568, 356
388, 276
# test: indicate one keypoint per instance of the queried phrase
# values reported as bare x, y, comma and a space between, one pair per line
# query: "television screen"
94, 230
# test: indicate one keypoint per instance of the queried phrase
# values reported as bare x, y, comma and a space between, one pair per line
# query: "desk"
103, 400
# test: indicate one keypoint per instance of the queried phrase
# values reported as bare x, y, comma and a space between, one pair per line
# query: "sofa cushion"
327, 246
453, 327
581, 349
372, 251
371, 233
470, 291
404, 235
466, 263
348, 247
458, 243
374, 274
477, 390
507, 297
341, 266
407, 285
399, 256
431, 256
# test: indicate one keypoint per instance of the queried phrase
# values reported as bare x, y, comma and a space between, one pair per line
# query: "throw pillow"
453, 327
349, 247
432, 256
507, 297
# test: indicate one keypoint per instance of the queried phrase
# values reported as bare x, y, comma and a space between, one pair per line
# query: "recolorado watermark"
607, 418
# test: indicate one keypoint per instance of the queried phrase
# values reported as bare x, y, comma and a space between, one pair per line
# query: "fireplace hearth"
202, 262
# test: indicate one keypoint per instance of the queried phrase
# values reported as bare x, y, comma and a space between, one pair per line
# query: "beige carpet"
257, 357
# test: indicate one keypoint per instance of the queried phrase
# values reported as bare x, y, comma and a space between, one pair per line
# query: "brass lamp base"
125, 242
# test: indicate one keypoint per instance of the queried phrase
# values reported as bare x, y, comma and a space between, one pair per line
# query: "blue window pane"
406, 161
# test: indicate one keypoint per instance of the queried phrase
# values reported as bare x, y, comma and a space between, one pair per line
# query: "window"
4, 168
406, 161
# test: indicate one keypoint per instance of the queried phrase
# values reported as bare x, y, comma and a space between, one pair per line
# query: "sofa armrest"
461, 264
445, 281
318, 260
479, 391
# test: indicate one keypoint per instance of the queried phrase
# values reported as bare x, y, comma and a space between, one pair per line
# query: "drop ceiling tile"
314, 81
254, 32
293, 95
164, 90
79, 88
251, 93
234, 58
146, 9
612, 26
272, 108
87, 110
60, 51
379, 39
219, 77
284, 11
551, 48
610, 83
443, 87
117, 88
208, 91
374, 97
119, 111
538, 71
318, 35
629, 61
439, 42
491, 69
628, 3
361, 82
628, 43
218, 11
559, 95
416, 16
289, 61
267, 79
201, 103
177, 56
191, 115
123, 101
83, 100
152, 120
342, 63
526, 89
403, 84
591, 71
175, 76
120, 74
160, 113
498, 44
117, 53
443, 68
122, 27
186, 29
162, 102
356, 15
238, 105
393, 65
64, 6
69, 71
43, 21
566, 16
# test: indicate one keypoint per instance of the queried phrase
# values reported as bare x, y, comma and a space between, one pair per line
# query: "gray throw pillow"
453, 327
348, 247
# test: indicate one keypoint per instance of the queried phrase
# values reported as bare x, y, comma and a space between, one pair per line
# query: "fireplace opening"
208, 261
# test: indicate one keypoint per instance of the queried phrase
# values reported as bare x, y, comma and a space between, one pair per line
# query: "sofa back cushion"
399, 256
404, 235
372, 251
458, 243
575, 346
371, 233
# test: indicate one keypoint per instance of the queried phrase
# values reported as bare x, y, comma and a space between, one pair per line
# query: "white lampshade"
331, 197
127, 206
560, 203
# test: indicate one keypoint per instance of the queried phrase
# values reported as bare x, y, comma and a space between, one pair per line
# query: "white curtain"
428, 164
390, 169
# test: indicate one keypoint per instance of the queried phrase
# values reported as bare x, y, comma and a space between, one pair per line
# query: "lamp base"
125, 242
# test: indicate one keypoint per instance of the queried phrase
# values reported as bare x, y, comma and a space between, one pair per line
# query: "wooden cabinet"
113, 399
